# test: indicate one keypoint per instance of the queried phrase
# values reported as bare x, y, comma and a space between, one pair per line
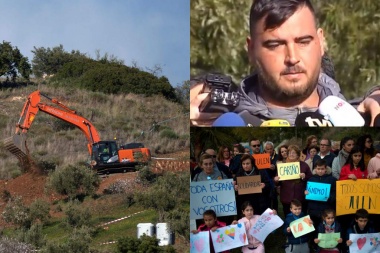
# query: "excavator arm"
16, 144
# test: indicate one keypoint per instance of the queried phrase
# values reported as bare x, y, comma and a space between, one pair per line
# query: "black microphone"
229, 119
312, 119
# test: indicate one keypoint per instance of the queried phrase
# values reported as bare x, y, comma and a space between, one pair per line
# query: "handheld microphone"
275, 123
340, 112
229, 119
312, 119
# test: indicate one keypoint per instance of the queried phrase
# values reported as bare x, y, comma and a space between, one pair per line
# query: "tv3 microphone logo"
339, 105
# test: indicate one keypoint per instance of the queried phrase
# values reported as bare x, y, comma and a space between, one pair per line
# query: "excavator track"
16, 144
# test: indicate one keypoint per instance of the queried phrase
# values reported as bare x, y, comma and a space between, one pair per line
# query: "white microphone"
340, 112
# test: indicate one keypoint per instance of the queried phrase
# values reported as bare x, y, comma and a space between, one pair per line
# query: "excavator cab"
105, 152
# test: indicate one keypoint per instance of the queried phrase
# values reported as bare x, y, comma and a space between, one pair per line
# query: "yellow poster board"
353, 195
288, 171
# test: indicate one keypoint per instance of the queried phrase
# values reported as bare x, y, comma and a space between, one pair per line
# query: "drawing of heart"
231, 233
361, 242
308, 221
243, 237
199, 245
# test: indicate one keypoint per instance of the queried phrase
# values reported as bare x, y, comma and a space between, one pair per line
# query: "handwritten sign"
301, 226
218, 195
229, 237
318, 191
352, 195
368, 243
288, 171
200, 242
267, 223
328, 240
262, 161
249, 184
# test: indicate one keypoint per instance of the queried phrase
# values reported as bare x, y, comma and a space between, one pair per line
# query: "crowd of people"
355, 159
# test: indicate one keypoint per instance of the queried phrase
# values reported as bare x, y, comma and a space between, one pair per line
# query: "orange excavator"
105, 155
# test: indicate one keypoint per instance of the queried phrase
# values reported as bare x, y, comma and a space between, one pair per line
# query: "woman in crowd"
295, 188
260, 201
311, 140
354, 168
235, 163
313, 150
365, 142
282, 153
346, 145
209, 170
224, 155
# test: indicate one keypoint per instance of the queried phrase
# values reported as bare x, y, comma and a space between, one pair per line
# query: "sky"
148, 32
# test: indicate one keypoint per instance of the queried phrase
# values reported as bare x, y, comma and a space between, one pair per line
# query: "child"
328, 225
361, 225
211, 223
299, 244
322, 175
249, 220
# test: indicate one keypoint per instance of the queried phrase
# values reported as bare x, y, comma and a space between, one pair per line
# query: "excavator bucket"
17, 146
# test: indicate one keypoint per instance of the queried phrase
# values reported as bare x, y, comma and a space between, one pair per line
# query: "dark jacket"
329, 159
291, 240
260, 201
315, 208
294, 189
354, 229
235, 163
253, 108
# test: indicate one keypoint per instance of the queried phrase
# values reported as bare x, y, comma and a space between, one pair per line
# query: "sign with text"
262, 161
318, 191
288, 171
328, 240
249, 184
353, 195
229, 237
301, 226
365, 243
200, 242
267, 223
218, 195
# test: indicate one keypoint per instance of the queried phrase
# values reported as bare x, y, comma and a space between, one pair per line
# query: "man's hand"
371, 106
196, 98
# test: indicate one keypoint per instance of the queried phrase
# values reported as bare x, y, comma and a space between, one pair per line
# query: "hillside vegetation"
160, 124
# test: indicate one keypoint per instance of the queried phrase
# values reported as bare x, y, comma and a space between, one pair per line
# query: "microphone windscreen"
229, 119
340, 112
311, 119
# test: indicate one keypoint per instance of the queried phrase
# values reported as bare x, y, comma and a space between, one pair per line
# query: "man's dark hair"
361, 213
210, 212
326, 139
275, 12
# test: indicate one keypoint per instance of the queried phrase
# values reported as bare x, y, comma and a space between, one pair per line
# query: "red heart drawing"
361, 242
243, 237
199, 245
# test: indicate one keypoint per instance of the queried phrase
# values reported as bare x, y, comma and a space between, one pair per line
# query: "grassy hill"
54, 143
127, 118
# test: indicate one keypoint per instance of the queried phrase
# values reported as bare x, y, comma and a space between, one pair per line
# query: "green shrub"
76, 215
145, 244
17, 213
39, 211
8, 245
168, 133
33, 236
74, 180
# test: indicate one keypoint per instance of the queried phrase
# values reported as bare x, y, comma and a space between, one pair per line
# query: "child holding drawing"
249, 220
328, 225
315, 208
361, 225
299, 244
210, 224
